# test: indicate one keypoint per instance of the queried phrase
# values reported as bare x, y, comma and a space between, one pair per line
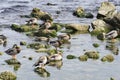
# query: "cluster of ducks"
43, 60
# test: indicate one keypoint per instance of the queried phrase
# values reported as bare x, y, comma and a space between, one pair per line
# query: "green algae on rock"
24, 28
96, 45
36, 12
83, 58
12, 61
50, 33
37, 46
108, 58
92, 54
7, 75
71, 56
80, 12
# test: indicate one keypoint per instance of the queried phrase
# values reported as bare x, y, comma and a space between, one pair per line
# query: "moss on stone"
7, 75
36, 12
36, 46
56, 26
24, 28
96, 45
92, 54
71, 57
79, 12
12, 61
50, 33
104, 59
110, 58
83, 58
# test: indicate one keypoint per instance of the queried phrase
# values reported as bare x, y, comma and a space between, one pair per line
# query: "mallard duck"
112, 34
46, 39
3, 39
41, 61
56, 43
46, 25
13, 51
32, 21
64, 37
56, 57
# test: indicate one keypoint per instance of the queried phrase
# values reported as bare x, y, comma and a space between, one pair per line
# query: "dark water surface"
71, 69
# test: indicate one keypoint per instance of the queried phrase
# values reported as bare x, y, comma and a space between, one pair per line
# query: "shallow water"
71, 69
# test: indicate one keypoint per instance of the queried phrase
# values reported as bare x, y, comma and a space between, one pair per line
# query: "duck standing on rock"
32, 21
47, 24
64, 37
112, 34
56, 43
56, 57
3, 39
41, 62
13, 51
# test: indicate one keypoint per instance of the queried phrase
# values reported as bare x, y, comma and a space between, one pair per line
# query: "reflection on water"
57, 64
42, 72
113, 48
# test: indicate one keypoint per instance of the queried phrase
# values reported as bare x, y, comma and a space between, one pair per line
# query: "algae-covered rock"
71, 56
56, 26
53, 51
79, 12
92, 54
50, 33
23, 43
7, 75
106, 9
78, 27
16, 67
36, 12
36, 46
104, 59
83, 58
42, 72
12, 61
24, 28
99, 26
101, 36
108, 58
96, 45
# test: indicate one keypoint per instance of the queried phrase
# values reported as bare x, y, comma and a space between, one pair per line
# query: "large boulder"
100, 26
78, 27
106, 9
114, 21
36, 12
